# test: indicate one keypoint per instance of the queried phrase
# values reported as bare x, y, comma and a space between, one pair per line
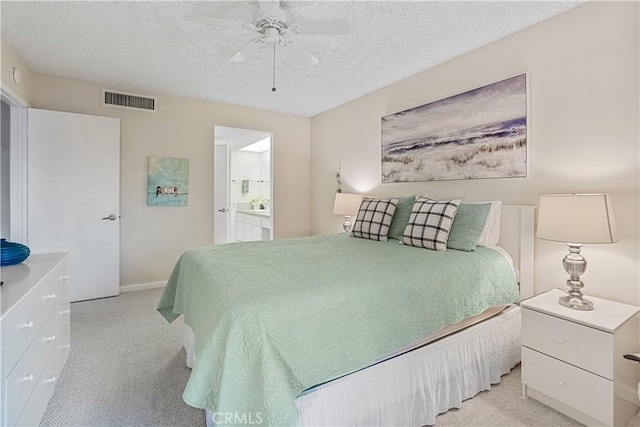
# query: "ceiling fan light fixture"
272, 34
294, 29
270, 22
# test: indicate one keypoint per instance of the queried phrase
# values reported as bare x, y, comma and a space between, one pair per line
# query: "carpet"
127, 368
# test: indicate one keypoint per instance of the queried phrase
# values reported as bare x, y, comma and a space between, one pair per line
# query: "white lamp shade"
577, 218
346, 204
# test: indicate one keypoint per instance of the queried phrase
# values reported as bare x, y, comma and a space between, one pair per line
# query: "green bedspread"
272, 319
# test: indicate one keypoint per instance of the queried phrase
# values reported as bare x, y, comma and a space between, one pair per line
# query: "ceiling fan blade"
216, 21
247, 51
301, 54
270, 7
337, 26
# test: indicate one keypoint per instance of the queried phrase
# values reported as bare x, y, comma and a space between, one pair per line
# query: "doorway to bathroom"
242, 185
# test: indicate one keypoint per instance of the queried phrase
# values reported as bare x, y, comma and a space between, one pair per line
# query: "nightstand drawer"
579, 345
583, 391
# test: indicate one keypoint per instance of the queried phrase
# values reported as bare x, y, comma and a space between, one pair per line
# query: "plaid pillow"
374, 218
430, 223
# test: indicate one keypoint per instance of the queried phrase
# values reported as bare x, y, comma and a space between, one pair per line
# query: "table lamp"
576, 219
346, 204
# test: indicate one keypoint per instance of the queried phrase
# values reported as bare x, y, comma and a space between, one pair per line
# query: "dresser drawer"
37, 403
64, 322
64, 279
579, 345
22, 380
585, 392
24, 323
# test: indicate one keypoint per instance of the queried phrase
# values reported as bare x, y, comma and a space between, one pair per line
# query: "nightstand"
573, 360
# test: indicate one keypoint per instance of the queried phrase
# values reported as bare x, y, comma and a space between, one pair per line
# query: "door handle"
111, 217
223, 210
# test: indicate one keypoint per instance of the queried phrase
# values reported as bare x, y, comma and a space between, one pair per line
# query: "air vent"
129, 101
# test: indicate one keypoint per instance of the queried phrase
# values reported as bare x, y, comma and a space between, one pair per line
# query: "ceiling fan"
273, 28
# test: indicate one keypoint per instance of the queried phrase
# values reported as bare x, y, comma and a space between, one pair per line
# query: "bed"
330, 330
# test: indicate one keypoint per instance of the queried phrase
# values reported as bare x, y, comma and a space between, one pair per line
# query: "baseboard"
143, 286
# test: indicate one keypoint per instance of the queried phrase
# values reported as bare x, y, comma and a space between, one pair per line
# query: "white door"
221, 194
74, 196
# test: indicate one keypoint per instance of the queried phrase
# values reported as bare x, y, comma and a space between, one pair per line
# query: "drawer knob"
49, 380
67, 277
25, 379
561, 383
64, 312
51, 338
26, 325
50, 296
560, 340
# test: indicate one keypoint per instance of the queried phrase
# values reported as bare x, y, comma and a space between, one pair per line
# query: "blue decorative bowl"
12, 253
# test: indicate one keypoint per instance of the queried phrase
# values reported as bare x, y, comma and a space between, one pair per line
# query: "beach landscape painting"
168, 182
477, 134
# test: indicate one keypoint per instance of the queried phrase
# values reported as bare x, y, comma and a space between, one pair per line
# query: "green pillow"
401, 217
467, 226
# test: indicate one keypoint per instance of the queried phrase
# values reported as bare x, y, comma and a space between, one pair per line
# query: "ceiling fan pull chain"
273, 89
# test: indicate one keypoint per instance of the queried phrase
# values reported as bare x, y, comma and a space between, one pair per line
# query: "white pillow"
490, 233
491, 230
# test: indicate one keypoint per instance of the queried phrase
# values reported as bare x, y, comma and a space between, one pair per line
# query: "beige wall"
583, 67
152, 238
9, 61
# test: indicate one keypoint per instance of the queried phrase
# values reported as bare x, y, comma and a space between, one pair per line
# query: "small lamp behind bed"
576, 219
346, 204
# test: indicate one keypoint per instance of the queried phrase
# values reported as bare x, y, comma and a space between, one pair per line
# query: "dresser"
35, 322
573, 360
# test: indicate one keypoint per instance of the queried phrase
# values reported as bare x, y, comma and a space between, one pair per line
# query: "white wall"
184, 128
583, 67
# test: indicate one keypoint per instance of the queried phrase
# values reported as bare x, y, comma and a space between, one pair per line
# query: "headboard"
517, 237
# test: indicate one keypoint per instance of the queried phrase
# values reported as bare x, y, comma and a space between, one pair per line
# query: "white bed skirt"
412, 389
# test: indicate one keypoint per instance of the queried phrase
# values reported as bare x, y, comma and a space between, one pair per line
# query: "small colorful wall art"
477, 134
168, 183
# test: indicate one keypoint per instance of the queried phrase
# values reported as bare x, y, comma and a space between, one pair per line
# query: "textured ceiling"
149, 47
